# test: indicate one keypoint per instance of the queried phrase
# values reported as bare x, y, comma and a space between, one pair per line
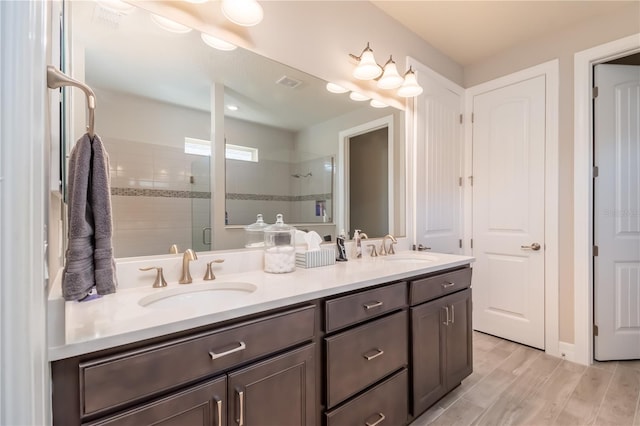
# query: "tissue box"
313, 259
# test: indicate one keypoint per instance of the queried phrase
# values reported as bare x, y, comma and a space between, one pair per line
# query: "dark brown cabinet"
441, 351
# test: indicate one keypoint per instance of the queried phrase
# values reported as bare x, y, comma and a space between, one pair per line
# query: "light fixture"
377, 104
367, 68
390, 78
169, 25
335, 88
387, 77
232, 107
217, 43
410, 87
197, 1
246, 13
359, 97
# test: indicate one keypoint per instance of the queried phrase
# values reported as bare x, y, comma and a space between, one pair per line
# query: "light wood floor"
516, 385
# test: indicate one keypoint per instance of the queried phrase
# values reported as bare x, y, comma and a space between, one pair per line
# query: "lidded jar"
279, 247
254, 233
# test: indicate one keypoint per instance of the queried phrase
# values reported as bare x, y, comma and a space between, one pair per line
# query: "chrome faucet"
383, 249
188, 256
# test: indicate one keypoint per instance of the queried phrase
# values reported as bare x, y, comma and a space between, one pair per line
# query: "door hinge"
595, 250
460, 181
595, 92
471, 180
460, 243
471, 243
460, 118
472, 117
596, 171
595, 330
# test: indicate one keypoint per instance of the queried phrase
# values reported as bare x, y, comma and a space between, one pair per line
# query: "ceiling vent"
289, 82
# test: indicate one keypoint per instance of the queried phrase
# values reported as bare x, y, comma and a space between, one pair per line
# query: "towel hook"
57, 79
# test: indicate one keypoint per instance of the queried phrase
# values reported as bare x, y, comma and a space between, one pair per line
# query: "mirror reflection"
155, 92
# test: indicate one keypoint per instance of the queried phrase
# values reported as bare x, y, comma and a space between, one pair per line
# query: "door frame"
582, 184
342, 175
550, 70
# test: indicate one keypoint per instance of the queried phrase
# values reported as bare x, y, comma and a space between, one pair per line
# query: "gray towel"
89, 257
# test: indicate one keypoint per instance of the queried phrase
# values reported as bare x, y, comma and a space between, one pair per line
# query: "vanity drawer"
386, 404
433, 287
360, 357
348, 310
125, 378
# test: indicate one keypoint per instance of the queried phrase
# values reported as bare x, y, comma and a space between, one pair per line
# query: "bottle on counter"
342, 251
254, 233
279, 247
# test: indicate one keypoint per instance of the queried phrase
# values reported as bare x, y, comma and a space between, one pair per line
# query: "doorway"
583, 179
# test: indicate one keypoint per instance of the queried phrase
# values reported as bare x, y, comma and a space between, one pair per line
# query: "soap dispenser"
357, 238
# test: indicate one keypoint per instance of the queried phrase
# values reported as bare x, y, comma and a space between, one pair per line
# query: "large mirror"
286, 136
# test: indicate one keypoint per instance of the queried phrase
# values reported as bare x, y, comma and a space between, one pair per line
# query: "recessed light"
232, 107
336, 88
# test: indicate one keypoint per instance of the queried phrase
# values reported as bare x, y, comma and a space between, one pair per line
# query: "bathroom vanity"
314, 347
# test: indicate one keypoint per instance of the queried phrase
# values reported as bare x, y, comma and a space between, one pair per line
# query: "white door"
439, 168
508, 211
617, 212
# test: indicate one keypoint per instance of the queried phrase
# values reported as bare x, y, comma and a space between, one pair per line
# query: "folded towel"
89, 257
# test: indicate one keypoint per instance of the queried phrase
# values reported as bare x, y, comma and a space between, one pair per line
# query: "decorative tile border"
164, 193
267, 197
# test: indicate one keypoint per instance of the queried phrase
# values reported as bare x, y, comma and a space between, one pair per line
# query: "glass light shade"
367, 68
390, 79
169, 25
117, 6
197, 1
216, 43
246, 13
377, 104
355, 96
410, 87
335, 88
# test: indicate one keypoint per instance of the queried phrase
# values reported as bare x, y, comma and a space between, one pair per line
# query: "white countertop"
118, 319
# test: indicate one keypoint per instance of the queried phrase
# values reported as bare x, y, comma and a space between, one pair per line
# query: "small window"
242, 153
197, 147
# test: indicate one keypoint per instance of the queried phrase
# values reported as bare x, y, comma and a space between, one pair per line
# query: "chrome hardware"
377, 422
453, 315
372, 305
242, 346
209, 275
448, 284
376, 355
383, 247
219, 410
188, 256
57, 79
421, 248
240, 418
159, 281
173, 249
534, 247
204, 236
373, 253
446, 308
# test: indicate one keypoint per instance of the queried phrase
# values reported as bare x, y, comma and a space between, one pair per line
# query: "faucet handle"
391, 249
173, 249
159, 281
209, 274
374, 253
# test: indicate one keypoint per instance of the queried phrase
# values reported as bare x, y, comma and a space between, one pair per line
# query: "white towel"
89, 257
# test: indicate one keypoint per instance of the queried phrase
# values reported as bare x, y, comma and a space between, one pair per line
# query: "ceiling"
472, 31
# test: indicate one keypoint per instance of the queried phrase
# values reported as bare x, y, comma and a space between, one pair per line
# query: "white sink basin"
193, 295
410, 258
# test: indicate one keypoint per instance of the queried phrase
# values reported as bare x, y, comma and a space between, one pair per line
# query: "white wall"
563, 45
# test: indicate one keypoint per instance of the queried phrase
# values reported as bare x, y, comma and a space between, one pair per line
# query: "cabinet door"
202, 405
280, 391
459, 353
428, 332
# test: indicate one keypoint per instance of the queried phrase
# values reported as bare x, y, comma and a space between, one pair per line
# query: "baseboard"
567, 351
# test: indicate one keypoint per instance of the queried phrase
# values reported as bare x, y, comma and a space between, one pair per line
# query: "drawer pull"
219, 411
372, 305
241, 347
446, 322
453, 315
448, 284
376, 355
377, 422
240, 418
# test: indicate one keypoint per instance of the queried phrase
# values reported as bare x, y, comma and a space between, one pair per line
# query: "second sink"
199, 295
